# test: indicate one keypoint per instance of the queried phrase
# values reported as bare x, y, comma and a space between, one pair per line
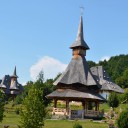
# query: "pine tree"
113, 100
34, 112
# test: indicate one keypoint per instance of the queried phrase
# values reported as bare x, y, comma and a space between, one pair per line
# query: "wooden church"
79, 83
10, 85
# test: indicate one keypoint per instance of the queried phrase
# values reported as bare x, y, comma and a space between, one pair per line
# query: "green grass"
69, 124
61, 124
107, 108
12, 119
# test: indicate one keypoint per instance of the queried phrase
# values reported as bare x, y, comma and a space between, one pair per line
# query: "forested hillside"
117, 68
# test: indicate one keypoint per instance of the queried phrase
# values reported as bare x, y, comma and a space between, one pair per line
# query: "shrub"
17, 111
113, 100
122, 121
77, 125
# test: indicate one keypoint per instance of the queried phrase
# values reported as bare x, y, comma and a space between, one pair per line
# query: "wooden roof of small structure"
71, 94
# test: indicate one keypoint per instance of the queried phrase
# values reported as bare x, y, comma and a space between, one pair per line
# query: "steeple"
79, 42
14, 73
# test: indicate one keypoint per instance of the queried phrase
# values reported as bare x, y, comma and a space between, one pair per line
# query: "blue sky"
36, 34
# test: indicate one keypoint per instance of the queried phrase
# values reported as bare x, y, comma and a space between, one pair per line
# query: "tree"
123, 98
91, 64
40, 77
122, 121
123, 80
58, 75
19, 98
1, 106
46, 87
34, 112
113, 100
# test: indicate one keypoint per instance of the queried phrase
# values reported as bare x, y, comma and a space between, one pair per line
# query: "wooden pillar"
83, 105
86, 106
67, 107
83, 112
96, 106
55, 103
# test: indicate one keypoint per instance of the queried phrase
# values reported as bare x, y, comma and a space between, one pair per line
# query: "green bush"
113, 100
122, 121
17, 111
77, 125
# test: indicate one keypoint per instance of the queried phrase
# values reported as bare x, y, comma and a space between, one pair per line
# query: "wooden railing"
77, 113
85, 113
59, 111
91, 113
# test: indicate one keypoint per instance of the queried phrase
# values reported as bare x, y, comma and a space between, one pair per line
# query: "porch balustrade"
78, 113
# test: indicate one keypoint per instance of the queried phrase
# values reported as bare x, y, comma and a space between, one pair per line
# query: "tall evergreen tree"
34, 112
113, 100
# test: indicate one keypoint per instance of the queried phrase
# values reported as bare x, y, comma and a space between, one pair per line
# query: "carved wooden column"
83, 112
55, 103
67, 107
83, 105
86, 105
98, 106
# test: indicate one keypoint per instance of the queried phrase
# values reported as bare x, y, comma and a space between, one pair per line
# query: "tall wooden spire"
79, 42
78, 70
14, 73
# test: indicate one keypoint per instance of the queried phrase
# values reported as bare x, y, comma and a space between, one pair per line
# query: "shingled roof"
104, 80
9, 86
5, 81
14, 86
79, 42
14, 73
69, 93
77, 72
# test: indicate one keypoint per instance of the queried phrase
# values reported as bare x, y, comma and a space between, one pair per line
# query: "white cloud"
50, 66
24, 83
105, 58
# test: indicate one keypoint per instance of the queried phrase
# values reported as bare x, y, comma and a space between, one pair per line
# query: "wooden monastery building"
10, 86
82, 84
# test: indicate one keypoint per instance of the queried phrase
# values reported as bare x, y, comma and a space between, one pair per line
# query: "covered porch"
89, 102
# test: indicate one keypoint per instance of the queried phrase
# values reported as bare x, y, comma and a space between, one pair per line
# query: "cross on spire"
81, 10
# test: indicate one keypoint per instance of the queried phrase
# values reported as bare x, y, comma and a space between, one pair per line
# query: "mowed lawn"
69, 124
12, 119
